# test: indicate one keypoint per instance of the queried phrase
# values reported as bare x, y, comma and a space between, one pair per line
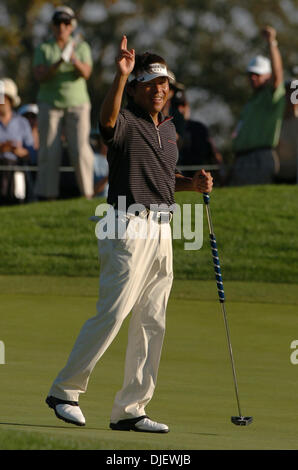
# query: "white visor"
153, 71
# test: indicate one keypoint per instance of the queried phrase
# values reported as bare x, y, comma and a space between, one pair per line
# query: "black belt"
137, 213
159, 216
115, 206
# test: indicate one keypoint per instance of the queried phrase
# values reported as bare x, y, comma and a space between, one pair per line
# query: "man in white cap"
136, 272
16, 143
257, 133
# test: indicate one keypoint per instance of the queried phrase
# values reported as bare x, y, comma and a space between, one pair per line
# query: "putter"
238, 420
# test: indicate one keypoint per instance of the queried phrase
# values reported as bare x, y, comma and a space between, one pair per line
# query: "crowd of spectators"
36, 138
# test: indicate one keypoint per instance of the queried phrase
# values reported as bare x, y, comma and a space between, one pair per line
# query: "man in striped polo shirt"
136, 272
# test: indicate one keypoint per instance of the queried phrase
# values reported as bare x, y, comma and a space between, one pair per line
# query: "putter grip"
220, 288
206, 198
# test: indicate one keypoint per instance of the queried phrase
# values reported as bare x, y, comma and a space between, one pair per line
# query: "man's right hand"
110, 108
125, 60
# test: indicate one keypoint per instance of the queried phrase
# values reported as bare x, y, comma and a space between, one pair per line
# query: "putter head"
241, 420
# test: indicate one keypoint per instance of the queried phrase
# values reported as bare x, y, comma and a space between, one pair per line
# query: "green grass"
194, 395
49, 283
255, 229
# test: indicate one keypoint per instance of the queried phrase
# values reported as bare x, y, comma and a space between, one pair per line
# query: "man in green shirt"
62, 66
258, 130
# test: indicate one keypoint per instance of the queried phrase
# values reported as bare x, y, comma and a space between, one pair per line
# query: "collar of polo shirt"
153, 71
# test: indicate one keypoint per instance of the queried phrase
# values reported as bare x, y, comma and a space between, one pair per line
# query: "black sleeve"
120, 130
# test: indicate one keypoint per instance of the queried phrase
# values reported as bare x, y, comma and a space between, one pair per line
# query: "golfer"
136, 273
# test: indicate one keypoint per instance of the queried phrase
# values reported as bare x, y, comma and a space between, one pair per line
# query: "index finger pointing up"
123, 44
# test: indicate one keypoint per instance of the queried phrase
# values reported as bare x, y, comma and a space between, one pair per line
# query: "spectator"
257, 133
30, 112
197, 147
16, 144
62, 66
101, 166
171, 110
288, 143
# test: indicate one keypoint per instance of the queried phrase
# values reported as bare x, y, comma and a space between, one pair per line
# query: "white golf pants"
135, 277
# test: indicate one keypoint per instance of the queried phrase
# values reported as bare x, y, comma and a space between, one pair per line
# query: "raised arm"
275, 56
110, 108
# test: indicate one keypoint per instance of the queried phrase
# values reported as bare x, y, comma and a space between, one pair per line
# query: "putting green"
40, 318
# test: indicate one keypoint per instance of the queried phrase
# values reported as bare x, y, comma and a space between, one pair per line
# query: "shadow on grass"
52, 426
87, 427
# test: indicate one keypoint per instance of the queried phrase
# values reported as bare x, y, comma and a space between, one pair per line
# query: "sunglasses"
58, 21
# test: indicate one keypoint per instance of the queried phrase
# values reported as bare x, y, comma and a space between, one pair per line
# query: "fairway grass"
41, 317
255, 227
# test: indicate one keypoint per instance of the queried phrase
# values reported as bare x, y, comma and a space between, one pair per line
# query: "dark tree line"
207, 44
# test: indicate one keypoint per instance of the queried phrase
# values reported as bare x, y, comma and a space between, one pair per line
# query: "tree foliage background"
207, 44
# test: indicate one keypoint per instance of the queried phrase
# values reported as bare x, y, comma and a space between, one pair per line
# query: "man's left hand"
202, 182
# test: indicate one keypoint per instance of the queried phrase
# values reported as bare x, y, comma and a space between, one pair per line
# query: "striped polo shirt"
142, 159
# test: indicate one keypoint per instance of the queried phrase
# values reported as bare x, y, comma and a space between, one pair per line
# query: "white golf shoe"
68, 411
140, 424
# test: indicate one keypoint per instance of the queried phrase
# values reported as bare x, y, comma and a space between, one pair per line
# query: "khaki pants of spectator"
255, 167
135, 276
74, 122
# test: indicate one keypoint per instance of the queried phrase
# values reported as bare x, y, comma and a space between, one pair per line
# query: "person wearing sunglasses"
62, 66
